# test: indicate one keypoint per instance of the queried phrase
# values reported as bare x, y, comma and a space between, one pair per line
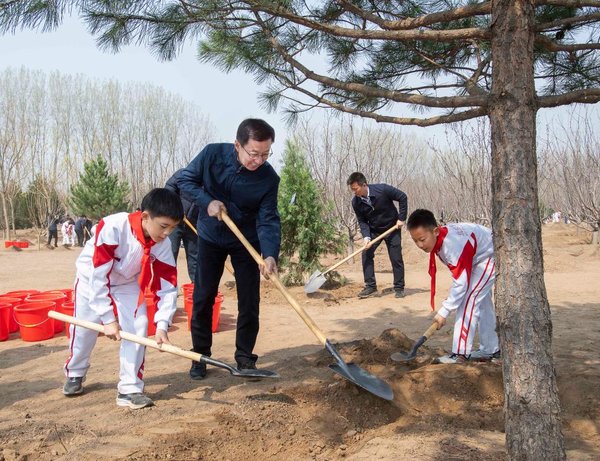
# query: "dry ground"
439, 413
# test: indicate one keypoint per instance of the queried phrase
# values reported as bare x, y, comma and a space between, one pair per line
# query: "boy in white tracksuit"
468, 251
128, 257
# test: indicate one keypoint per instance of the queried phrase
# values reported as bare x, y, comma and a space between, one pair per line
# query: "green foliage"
261, 37
98, 192
307, 232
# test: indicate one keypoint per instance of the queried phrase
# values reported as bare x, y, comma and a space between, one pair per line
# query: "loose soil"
440, 412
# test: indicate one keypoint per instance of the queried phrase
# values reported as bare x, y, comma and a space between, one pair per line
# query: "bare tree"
51, 124
453, 61
575, 178
462, 173
337, 147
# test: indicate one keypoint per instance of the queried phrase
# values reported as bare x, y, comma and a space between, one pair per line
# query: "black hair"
421, 218
357, 177
256, 129
161, 202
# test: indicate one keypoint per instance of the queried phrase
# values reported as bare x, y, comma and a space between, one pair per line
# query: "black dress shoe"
249, 365
368, 291
198, 370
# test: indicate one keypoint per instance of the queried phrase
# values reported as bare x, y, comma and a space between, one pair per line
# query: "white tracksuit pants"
477, 311
83, 340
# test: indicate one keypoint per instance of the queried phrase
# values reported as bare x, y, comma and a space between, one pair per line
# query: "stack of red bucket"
188, 303
26, 311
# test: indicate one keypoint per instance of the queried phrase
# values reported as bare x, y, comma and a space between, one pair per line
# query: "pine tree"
98, 193
305, 224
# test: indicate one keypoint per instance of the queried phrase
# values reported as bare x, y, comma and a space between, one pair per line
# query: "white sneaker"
134, 401
451, 358
480, 356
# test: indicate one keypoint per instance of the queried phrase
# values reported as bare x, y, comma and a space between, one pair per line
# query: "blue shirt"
249, 196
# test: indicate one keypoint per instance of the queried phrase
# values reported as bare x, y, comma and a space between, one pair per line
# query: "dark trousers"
79, 234
394, 247
211, 262
53, 234
190, 243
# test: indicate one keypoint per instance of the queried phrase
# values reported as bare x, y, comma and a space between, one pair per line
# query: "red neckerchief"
146, 273
432, 268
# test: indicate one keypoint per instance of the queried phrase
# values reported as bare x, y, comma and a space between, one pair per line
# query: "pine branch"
369, 91
586, 96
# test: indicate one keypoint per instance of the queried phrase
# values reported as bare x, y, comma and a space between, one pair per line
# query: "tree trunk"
5, 216
350, 243
532, 408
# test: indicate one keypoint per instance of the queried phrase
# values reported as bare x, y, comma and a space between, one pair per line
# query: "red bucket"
21, 294
10, 319
216, 317
68, 292
33, 320
67, 308
188, 305
188, 289
57, 297
5, 310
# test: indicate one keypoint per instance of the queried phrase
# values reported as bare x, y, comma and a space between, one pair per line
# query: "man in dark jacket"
79, 225
53, 230
183, 232
235, 178
376, 213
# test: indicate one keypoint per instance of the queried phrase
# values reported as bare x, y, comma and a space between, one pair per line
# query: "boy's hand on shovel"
161, 337
441, 321
111, 330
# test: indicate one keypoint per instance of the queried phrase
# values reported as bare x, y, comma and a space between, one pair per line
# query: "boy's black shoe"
399, 294
368, 291
249, 365
198, 370
73, 386
134, 401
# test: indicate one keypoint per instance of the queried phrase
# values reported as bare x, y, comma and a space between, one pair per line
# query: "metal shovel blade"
245, 373
358, 376
404, 357
316, 281
254, 373
364, 379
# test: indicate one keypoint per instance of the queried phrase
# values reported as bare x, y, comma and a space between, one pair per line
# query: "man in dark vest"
376, 213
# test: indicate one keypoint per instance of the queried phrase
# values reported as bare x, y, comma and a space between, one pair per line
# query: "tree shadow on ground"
22, 354
16, 391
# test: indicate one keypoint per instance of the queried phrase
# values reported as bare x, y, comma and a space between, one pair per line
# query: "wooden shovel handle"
191, 226
127, 336
273, 278
360, 250
431, 330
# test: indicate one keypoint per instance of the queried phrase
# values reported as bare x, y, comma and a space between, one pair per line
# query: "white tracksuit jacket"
468, 251
107, 283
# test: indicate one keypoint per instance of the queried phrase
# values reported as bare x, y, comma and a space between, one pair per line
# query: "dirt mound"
327, 417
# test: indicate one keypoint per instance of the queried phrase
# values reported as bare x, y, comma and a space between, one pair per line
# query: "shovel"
350, 371
404, 357
166, 348
228, 266
317, 278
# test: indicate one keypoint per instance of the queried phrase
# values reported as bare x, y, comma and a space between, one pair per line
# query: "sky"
226, 98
